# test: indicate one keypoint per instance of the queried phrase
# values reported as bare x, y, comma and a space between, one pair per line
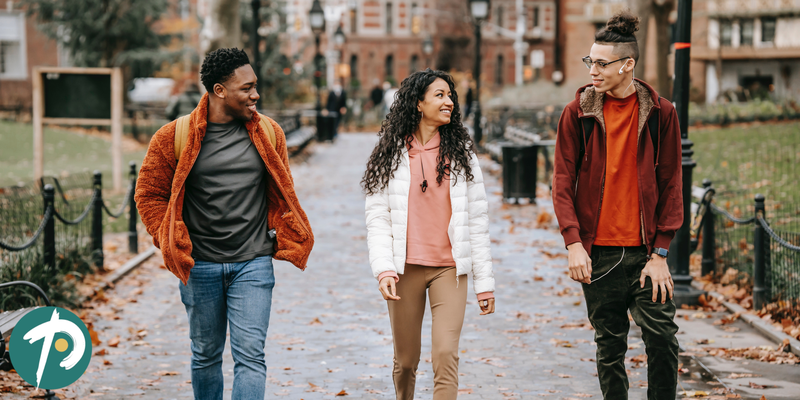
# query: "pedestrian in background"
337, 103
618, 198
185, 102
211, 208
425, 235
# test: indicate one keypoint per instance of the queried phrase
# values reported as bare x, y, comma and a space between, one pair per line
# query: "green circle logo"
50, 347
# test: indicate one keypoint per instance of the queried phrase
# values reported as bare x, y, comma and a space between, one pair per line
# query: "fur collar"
591, 103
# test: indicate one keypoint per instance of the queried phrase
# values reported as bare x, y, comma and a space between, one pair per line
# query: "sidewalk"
329, 333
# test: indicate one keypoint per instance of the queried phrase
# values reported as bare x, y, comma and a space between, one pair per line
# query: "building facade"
386, 40
747, 49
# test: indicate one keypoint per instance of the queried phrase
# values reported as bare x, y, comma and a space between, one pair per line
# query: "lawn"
65, 153
743, 161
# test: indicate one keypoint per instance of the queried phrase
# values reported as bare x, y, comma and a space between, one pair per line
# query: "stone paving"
329, 334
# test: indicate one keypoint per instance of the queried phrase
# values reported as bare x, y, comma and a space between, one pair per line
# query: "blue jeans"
239, 294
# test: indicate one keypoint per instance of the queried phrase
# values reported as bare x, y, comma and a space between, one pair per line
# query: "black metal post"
680, 246
49, 195
708, 265
97, 221
318, 83
133, 217
256, 40
477, 107
760, 249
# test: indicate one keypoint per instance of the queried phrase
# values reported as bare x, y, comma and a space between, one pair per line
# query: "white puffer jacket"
387, 223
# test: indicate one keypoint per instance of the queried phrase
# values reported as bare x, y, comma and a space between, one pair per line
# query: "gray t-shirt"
225, 205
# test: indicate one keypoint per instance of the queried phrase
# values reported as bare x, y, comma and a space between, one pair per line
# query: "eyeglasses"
601, 65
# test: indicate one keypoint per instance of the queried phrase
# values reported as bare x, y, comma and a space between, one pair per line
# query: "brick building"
746, 46
22, 47
385, 38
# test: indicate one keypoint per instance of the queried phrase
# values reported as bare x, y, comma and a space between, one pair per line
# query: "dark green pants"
608, 300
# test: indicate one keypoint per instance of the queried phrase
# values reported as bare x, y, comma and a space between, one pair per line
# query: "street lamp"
427, 48
338, 37
316, 19
480, 11
680, 250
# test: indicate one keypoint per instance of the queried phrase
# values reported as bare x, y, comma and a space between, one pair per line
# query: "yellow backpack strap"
267, 127
181, 135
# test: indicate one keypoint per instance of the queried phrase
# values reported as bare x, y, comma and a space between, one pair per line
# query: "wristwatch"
660, 251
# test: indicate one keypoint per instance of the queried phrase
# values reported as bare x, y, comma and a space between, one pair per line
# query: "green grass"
743, 161
64, 153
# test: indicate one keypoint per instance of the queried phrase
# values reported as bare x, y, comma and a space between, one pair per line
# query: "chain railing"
96, 206
775, 260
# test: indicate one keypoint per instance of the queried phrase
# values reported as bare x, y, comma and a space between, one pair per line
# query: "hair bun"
623, 23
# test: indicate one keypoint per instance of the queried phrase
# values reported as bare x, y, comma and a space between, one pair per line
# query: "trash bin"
519, 172
326, 128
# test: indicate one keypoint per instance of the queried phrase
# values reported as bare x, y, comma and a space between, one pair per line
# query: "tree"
659, 10
222, 28
97, 32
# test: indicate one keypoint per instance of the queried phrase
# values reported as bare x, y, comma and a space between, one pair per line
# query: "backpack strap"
587, 127
652, 125
266, 126
181, 134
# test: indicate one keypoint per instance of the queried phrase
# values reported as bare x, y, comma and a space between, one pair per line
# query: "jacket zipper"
641, 201
602, 182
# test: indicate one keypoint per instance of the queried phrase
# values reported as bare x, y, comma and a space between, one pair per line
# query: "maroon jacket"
577, 199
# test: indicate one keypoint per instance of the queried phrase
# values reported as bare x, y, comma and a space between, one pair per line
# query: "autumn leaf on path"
342, 393
316, 321
167, 373
114, 342
465, 391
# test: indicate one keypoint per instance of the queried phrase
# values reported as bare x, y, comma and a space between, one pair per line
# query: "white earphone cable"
612, 268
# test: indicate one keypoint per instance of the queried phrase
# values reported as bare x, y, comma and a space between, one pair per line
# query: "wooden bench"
10, 318
297, 135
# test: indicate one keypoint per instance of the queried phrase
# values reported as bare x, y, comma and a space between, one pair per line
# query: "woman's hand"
389, 290
487, 306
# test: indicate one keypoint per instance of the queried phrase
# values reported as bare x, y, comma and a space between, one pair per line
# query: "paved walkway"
330, 333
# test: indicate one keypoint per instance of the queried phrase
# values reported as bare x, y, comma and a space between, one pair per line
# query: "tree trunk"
222, 27
643, 9
661, 17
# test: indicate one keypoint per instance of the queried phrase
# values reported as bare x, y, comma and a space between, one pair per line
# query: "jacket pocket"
289, 231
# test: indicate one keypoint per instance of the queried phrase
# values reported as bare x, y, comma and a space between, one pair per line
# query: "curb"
120, 272
762, 327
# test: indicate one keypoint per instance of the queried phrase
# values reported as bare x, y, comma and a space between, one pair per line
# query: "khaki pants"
448, 302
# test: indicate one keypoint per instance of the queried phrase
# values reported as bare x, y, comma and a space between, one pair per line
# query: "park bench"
10, 318
297, 135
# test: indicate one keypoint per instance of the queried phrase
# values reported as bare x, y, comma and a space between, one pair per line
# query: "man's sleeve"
154, 183
564, 175
669, 177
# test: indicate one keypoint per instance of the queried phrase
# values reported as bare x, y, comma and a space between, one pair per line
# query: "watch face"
662, 252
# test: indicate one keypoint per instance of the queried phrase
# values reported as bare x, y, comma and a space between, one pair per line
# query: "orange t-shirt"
427, 241
620, 223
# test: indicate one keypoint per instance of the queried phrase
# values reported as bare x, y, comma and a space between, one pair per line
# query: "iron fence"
52, 233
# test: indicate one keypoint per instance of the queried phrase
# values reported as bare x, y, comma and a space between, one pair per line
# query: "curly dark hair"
397, 132
219, 66
620, 32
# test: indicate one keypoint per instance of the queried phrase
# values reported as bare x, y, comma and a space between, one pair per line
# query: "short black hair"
219, 65
620, 32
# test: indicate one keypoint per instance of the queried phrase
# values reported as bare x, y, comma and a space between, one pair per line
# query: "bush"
732, 112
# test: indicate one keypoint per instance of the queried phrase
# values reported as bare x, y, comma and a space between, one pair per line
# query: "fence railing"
45, 232
773, 265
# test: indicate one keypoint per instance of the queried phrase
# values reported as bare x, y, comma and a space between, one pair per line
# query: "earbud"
620, 70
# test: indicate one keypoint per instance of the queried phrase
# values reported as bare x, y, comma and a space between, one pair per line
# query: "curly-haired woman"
428, 226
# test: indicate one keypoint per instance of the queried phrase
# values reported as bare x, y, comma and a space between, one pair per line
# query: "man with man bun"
617, 193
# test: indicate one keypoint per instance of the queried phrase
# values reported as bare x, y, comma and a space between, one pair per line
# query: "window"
353, 68
415, 28
13, 64
747, 27
498, 72
767, 29
725, 32
414, 63
388, 18
535, 17
389, 67
353, 20
499, 17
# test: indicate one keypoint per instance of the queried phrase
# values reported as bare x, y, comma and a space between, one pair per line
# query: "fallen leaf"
167, 373
114, 342
342, 393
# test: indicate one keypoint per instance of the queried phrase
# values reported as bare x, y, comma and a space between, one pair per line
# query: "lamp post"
480, 11
679, 251
338, 40
317, 22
